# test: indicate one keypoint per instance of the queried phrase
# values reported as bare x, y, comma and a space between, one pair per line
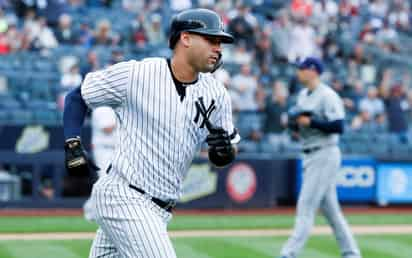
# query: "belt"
312, 149
168, 206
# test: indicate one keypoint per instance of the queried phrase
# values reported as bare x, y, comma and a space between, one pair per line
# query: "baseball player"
318, 126
165, 110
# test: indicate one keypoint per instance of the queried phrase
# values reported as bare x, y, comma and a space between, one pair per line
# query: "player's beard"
204, 67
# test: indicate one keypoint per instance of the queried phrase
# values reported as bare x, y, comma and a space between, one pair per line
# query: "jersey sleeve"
334, 109
225, 117
107, 87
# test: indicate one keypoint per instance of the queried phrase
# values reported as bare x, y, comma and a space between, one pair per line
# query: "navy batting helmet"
199, 21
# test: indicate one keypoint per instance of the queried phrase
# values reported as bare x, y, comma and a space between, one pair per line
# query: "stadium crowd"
47, 47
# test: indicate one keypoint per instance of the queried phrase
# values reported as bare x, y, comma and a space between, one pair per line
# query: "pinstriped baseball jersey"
325, 104
159, 132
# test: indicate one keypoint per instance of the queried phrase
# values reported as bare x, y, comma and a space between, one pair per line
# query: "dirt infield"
318, 230
271, 211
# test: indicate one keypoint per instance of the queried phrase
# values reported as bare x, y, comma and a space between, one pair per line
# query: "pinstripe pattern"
157, 139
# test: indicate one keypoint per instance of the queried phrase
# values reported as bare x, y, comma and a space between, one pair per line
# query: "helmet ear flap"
218, 64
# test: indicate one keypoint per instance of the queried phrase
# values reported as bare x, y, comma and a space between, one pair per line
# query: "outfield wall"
34, 159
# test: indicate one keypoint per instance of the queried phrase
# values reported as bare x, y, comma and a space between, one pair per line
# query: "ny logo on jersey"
202, 110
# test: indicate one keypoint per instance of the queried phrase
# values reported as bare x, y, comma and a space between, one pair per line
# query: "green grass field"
372, 246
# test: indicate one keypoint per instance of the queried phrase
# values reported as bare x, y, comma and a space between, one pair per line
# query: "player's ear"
185, 39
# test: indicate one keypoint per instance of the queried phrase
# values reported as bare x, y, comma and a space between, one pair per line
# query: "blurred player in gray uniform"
318, 120
165, 110
103, 136
103, 124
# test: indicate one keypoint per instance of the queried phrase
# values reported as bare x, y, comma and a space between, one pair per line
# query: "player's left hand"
77, 160
303, 120
219, 139
221, 151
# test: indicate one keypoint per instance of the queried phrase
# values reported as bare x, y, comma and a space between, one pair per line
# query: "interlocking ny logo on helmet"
199, 21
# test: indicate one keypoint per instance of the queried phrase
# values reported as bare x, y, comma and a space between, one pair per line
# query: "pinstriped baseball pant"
319, 191
131, 225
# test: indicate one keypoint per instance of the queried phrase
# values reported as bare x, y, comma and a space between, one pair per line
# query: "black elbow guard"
221, 157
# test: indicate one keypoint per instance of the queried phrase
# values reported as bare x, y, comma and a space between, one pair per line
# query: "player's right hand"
77, 161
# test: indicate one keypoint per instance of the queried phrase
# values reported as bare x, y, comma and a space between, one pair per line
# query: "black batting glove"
218, 138
77, 160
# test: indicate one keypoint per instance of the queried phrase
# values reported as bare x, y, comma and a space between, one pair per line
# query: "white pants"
131, 225
319, 191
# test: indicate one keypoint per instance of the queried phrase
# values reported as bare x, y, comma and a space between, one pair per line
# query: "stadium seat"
21, 116
45, 117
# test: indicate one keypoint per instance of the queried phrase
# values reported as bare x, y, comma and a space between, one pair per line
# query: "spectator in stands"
360, 67
301, 8
45, 38
265, 77
245, 87
4, 44
92, 63
208, 4
276, 108
397, 108
323, 12
85, 35
133, 6
138, 34
51, 10
303, 41
65, 33
243, 25
14, 38
180, 5
387, 38
76, 6
280, 30
116, 56
346, 94
378, 8
154, 31
223, 8
363, 122
31, 25
71, 79
104, 35
3, 22
240, 55
372, 104
263, 51
399, 15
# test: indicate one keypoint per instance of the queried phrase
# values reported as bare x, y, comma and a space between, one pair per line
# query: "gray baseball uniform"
321, 162
158, 134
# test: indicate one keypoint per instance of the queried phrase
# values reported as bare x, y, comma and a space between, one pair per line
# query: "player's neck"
182, 71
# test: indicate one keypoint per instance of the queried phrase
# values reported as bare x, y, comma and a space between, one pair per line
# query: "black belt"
168, 206
312, 149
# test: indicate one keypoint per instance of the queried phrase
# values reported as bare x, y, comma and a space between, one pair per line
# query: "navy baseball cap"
311, 63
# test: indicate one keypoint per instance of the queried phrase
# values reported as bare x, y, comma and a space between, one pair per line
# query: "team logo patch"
202, 110
241, 182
